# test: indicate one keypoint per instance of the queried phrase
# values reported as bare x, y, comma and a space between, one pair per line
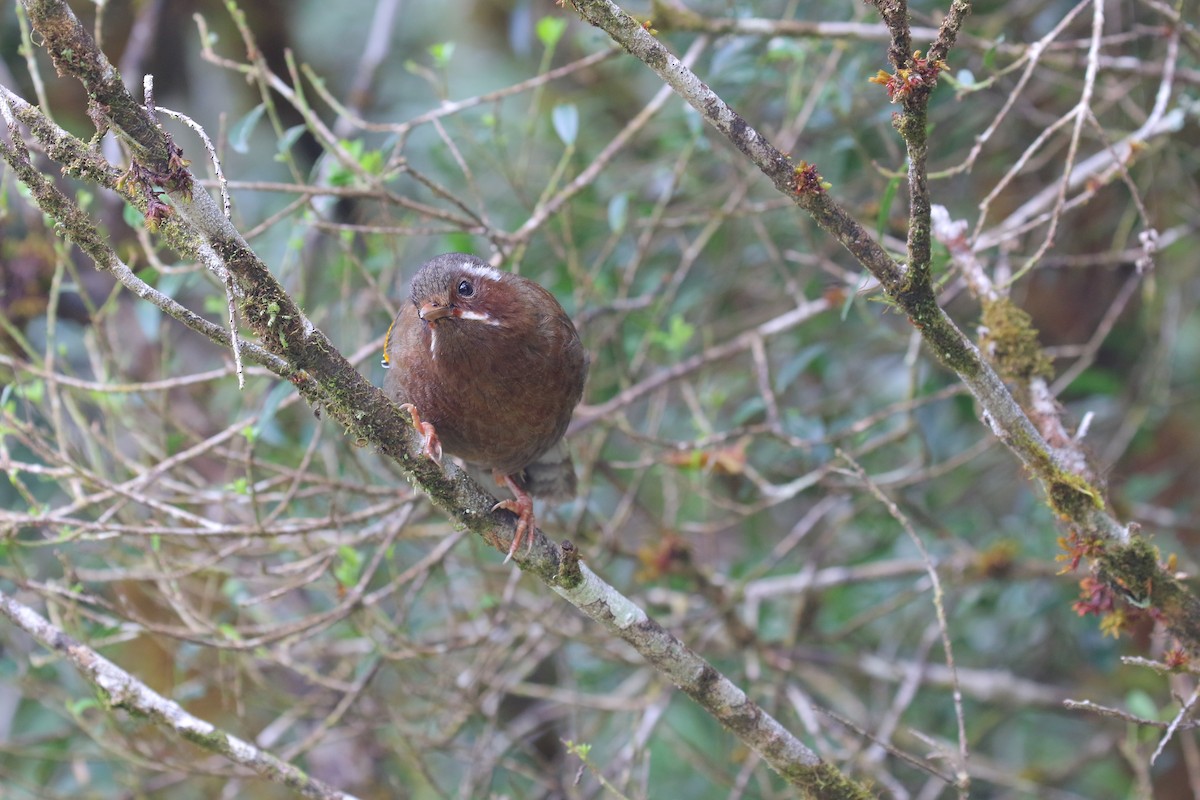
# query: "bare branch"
122, 690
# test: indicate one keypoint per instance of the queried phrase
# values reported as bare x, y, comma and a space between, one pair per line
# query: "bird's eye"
465, 289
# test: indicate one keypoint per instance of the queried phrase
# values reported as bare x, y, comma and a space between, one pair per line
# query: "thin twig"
122, 690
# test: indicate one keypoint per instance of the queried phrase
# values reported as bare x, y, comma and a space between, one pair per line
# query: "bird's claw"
431, 446
522, 506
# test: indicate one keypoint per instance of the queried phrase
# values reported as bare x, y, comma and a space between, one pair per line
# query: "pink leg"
522, 506
430, 444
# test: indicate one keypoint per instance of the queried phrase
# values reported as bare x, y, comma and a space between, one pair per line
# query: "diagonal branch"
196, 227
1131, 560
121, 690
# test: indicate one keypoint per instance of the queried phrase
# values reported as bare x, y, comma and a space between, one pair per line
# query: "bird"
490, 368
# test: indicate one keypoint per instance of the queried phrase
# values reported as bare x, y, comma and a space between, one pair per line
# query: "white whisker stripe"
477, 316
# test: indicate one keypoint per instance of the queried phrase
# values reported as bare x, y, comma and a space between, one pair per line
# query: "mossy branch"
1072, 495
294, 348
119, 689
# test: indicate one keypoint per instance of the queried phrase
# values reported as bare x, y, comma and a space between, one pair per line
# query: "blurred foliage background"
240, 555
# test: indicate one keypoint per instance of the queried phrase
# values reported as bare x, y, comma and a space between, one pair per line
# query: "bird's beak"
432, 312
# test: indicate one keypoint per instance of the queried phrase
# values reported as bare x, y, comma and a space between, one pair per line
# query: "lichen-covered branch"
197, 228
293, 346
697, 678
119, 689
1073, 498
83, 163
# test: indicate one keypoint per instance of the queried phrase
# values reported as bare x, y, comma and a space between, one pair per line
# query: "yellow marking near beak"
387, 337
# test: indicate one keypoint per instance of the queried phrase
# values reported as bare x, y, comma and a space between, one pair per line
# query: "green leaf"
372, 161
1097, 381
348, 568
849, 301
885, 205
550, 30
234, 589
1141, 704
34, 391
618, 212
566, 122
289, 137
795, 366
751, 408
133, 217
442, 52
148, 316
989, 56
265, 428
694, 122
240, 131
784, 49
339, 175
678, 333
581, 750
77, 707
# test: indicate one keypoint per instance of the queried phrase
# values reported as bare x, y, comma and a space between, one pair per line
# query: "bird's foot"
431, 446
522, 506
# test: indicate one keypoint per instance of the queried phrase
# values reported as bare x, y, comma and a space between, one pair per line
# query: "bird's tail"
552, 474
